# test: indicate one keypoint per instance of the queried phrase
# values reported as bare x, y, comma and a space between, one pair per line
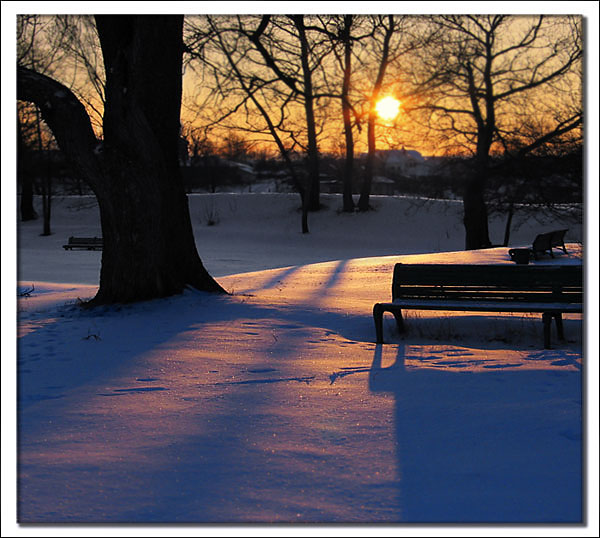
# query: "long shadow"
437, 440
194, 481
279, 276
86, 347
334, 278
322, 291
493, 447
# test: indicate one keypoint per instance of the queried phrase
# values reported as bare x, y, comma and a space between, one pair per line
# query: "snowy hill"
274, 404
262, 231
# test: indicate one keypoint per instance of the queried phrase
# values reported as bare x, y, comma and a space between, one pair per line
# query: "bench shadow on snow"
470, 450
86, 351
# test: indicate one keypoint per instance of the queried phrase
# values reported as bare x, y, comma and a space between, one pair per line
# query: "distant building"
403, 162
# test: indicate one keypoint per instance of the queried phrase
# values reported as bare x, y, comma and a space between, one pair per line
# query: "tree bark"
348, 201
25, 179
314, 186
26, 206
474, 208
365, 193
509, 217
475, 217
149, 249
46, 202
475, 214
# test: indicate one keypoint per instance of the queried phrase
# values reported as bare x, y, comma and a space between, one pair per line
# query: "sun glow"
387, 108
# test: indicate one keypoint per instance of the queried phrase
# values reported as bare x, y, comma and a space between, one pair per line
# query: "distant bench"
547, 241
550, 290
85, 243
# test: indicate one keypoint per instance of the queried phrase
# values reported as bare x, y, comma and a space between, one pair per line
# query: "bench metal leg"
559, 325
378, 318
399, 320
378, 311
547, 320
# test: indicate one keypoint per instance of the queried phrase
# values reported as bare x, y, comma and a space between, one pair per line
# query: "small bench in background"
547, 241
84, 243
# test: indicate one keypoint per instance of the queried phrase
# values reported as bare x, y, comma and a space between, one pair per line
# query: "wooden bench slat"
569, 297
487, 306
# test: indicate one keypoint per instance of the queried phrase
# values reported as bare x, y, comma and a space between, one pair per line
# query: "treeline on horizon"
502, 95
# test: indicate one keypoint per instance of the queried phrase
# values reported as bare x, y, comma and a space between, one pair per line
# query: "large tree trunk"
149, 248
475, 216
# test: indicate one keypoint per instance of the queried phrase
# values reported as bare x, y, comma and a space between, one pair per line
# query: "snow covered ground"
274, 404
262, 231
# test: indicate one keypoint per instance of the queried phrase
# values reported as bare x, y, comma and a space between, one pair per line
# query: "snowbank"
274, 404
262, 231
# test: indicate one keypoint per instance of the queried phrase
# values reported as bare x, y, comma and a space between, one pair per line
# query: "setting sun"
387, 108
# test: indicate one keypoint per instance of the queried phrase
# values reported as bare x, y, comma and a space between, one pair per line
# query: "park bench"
85, 243
548, 289
547, 241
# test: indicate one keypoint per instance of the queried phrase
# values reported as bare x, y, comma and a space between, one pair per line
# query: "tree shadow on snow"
470, 447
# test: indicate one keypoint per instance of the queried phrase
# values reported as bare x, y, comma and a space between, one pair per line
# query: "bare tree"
39, 47
293, 57
209, 39
261, 69
488, 78
345, 34
391, 40
83, 63
149, 248
548, 180
24, 173
388, 27
342, 30
65, 47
